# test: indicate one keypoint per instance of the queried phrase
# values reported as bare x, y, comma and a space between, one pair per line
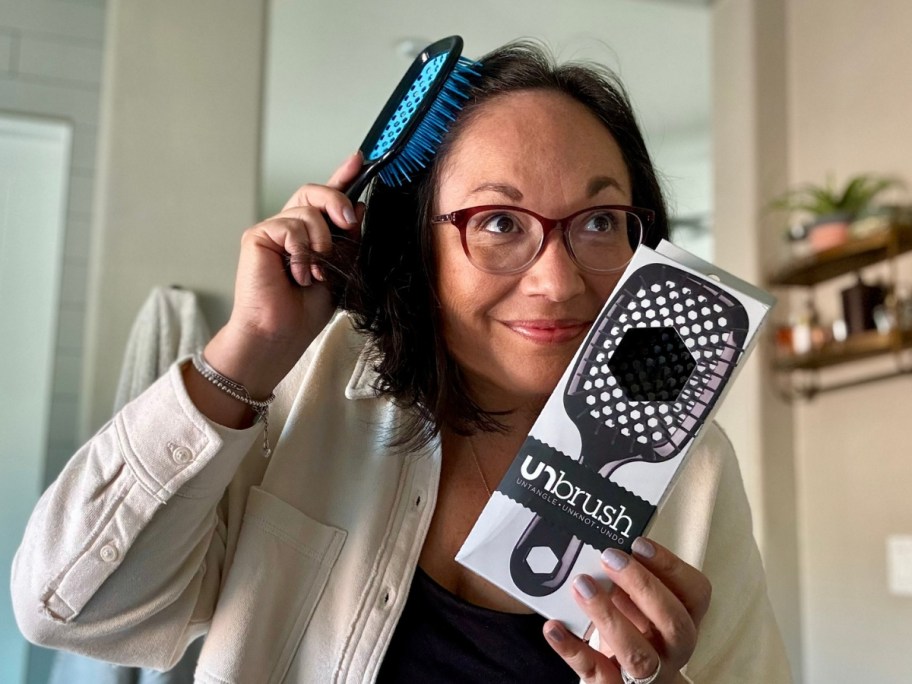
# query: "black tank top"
443, 639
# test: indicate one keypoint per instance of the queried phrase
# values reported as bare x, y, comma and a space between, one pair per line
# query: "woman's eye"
500, 223
600, 223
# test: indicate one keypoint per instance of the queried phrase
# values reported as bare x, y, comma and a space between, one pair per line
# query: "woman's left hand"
648, 619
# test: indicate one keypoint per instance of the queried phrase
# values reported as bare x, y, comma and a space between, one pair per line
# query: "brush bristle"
424, 141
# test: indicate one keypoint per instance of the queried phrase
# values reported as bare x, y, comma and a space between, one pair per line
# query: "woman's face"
513, 335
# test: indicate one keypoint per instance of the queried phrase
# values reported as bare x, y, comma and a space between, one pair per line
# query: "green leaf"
817, 200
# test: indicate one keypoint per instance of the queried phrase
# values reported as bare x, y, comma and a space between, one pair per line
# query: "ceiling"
332, 65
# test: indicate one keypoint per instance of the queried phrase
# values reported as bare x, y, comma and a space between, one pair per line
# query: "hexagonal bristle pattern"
654, 361
651, 364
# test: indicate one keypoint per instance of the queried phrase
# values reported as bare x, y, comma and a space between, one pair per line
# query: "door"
34, 171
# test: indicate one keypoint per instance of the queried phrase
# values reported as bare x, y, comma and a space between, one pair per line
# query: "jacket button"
182, 455
108, 553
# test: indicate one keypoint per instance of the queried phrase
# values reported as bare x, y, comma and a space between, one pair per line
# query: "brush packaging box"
610, 441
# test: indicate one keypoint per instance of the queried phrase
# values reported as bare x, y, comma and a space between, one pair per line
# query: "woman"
333, 559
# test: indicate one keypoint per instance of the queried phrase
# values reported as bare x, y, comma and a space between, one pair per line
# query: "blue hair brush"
406, 134
404, 137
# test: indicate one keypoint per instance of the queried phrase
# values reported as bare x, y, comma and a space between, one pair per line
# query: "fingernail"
317, 273
614, 559
306, 280
349, 215
555, 634
585, 586
644, 548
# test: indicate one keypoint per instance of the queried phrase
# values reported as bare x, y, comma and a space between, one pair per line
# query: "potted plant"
832, 209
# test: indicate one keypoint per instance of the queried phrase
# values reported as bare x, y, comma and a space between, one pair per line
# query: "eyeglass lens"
502, 240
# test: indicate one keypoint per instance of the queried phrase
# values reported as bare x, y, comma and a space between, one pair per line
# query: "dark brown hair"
392, 292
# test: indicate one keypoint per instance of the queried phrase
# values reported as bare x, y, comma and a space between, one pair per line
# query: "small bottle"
801, 329
805, 324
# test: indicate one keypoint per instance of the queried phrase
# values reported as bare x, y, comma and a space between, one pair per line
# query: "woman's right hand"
281, 302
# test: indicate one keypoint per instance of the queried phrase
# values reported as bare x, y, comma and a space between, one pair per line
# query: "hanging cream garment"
169, 325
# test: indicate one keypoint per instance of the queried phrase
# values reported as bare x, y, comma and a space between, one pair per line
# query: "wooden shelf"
855, 348
846, 258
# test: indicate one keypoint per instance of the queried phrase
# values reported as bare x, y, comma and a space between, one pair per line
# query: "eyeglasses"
504, 239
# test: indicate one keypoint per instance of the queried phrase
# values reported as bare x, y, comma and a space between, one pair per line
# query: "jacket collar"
363, 382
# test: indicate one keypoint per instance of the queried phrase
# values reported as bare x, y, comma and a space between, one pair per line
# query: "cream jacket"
165, 526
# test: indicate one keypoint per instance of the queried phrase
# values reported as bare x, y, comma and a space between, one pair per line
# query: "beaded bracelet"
239, 392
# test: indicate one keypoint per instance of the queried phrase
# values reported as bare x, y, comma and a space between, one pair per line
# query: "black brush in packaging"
648, 373
609, 443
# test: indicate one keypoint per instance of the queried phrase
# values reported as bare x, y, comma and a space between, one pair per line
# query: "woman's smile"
546, 331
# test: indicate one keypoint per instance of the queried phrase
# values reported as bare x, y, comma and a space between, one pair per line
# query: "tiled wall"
51, 66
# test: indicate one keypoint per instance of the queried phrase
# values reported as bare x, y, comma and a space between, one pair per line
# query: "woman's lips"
549, 331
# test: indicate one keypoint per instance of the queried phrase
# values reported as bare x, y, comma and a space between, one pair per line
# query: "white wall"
750, 153
179, 167
810, 88
684, 160
850, 98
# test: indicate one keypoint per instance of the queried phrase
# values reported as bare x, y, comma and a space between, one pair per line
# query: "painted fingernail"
349, 215
555, 634
585, 586
642, 547
614, 559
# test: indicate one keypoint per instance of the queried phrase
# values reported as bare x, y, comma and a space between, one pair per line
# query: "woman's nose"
554, 274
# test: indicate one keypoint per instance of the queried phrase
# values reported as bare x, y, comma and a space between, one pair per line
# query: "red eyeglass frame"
460, 218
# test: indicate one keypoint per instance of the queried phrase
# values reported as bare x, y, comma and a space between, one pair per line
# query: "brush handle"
543, 538
359, 184
336, 278
353, 192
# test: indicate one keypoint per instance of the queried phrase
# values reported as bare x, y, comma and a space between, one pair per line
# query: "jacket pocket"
281, 565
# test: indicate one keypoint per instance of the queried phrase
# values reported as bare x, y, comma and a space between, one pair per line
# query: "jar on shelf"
858, 304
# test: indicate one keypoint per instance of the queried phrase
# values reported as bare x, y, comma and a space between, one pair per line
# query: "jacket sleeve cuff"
168, 443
